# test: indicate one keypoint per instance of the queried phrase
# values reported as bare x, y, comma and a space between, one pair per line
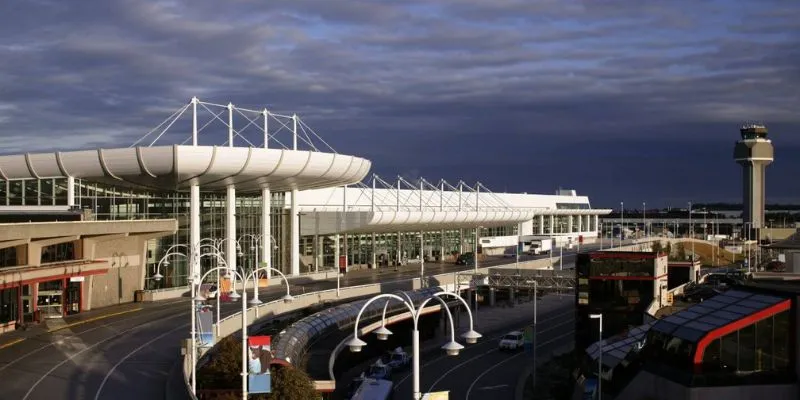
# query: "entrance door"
72, 305
49, 299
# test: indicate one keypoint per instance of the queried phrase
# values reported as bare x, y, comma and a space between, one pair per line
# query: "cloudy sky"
629, 100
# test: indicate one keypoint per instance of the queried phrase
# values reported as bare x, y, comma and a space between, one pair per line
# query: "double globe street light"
452, 348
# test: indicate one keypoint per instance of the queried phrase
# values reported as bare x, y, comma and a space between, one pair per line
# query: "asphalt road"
481, 371
136, 355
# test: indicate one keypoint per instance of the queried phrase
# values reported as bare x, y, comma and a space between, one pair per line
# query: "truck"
540, 246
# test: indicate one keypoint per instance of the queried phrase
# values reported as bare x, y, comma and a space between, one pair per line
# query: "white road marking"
50, 371
469, 390
492, 387
61, 341
479, 344
430, 389
114, 368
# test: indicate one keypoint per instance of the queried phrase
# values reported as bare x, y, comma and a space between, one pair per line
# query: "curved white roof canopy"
170, 168
407, 221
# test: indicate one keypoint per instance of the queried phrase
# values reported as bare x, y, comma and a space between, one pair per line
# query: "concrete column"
596, 223
580, 223
194, 229
541, 225
552, 225
230, 227
399, 250
266, 229
492, 296
374, 249
320, 243
295, 238
346, 254
569, 223
460, 241
336, 252
70, 191
441, 246
316, 253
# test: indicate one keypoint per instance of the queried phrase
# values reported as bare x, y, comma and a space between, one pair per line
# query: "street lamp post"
644, 218
600, 358
535, 334
254, 274
452, 348
200, 298
621, 222
691, 230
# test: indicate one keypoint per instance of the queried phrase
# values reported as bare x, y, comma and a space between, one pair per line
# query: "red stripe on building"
619, 254
626, 278
13, 284
735, 326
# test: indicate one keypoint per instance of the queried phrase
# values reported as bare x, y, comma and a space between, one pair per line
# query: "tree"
223, 372
668, 249
656, 246
681, 250
290, 384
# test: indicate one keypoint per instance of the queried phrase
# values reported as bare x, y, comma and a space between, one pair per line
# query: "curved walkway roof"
292, 343
176, 167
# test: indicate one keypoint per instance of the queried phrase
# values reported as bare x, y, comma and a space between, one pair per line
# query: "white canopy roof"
177, 167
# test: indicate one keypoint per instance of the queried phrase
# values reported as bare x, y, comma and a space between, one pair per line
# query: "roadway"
482, 371
135, 355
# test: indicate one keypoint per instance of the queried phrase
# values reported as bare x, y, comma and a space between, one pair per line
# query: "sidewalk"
52, 325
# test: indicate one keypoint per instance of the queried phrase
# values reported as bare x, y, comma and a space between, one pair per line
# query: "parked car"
379, 370
466, 259
512, 341
397, 359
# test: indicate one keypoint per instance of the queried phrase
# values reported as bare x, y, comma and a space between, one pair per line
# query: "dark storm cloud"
470, 88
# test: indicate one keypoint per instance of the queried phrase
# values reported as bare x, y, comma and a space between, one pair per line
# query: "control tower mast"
753, 152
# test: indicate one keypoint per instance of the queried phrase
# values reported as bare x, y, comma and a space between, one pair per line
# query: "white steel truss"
242, 126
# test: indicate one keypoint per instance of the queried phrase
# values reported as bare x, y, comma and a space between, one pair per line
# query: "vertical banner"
205, 326
527, 339
259, 379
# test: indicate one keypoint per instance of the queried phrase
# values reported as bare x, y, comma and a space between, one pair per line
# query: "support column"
541, 225
70, 191
266, 229
336, 253
492, 296
596, 224
441, 246
580, 223
552, 225
295, 239
345, 247
316, 253
569, 223
399, 251
230, 227
374, 249
461, 241
194, 229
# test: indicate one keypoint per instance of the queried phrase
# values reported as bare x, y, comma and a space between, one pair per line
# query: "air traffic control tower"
754, 152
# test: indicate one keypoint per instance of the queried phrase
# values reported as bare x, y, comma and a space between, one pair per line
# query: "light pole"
749, 228
475, 252
644, 218
621, 222
535, 334
600, 358
691, 230
254, 274
165, 261
200, 298
452, 348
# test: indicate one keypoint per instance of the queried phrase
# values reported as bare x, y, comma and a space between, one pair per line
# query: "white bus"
373, 389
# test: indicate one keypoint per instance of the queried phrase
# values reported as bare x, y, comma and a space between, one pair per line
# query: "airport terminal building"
86, 229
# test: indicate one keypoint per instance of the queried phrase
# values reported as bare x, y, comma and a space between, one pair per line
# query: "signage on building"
77, 278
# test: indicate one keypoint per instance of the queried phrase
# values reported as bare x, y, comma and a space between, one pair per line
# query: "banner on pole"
205, 326
259, 379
